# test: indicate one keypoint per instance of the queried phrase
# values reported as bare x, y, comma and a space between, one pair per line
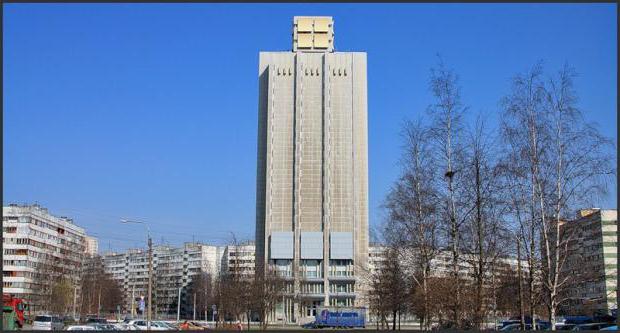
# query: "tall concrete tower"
312, 181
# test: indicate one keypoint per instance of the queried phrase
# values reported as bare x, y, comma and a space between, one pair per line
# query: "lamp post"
179, 304
150, 245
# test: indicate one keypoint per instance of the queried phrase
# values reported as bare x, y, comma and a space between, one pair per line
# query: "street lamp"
150, 244
179, 304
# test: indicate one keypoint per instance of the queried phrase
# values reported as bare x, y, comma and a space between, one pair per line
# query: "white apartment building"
441, 265
92, 245
240, 259
173, 268
32, 237
376, 257
593, 261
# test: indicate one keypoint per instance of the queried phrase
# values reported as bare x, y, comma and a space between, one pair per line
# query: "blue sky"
149, 111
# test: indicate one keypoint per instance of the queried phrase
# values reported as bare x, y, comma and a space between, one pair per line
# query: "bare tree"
446, 114
388, 288
100, 293
233, 286
523, 130
267, 290
579, 163
53, 280
486, 237
413, 217
201, 287
564, 160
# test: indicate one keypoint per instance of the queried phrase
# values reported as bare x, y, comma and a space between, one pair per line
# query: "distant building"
240, 259
37, 247
92, 245
441, 264
376, 257
593, 259
173, 268
312, 181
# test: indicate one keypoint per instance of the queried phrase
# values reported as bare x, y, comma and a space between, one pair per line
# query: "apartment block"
240, 259
592, 260
39, 247
173, 268
92, 245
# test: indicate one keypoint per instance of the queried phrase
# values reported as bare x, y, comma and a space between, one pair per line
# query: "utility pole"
194, 306
74, 302
133, 289
179, 305
99, 304
206, 303
150, 288
148, 312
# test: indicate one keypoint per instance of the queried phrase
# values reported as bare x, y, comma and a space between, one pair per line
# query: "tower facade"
312, 178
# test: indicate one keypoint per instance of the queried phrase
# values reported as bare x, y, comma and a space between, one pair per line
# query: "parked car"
564, 327
94, 320
80, 328
174, 325
97, 327
47, 323
515, 327
162, 325
610, 328
195, 326
141, 325
591, 326
125, 327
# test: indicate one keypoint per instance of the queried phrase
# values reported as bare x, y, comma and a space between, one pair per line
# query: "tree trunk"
426, 315
519, 278
394, 320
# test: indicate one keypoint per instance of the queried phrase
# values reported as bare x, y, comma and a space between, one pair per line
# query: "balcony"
342, 294
347, 276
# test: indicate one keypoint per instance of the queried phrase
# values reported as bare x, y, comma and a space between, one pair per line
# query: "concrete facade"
173, 268
594, 253
92, 245
312, 178
38, 247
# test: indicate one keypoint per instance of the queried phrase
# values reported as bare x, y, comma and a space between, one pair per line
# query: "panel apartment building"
312, 172
38, 248
173, 268
593, 261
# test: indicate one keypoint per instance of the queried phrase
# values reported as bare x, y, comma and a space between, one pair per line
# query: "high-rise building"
39, 248
312, 181
591, 264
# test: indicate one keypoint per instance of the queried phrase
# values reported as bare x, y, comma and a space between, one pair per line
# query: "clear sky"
149, 111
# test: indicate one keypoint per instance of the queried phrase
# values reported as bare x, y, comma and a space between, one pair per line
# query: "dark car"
564, 327
591, 326
311, 324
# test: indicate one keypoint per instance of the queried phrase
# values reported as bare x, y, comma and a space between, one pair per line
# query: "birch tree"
564, 162
579, 163
446, 116
412, 205
485, 235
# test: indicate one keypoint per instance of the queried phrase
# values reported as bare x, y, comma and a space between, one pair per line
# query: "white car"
125, 327
47, 323
80, 328
164, 324
141, 325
